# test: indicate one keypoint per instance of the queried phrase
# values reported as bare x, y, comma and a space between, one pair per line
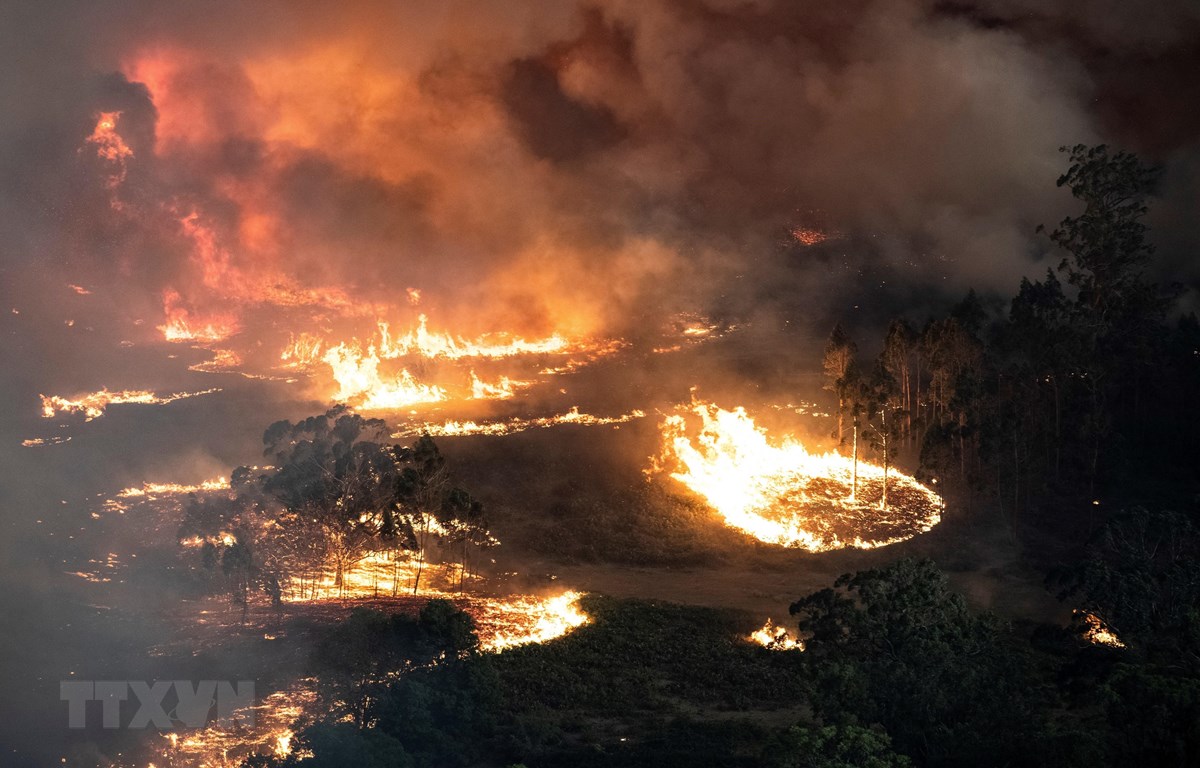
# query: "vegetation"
335, 493
1080, 391
897, 672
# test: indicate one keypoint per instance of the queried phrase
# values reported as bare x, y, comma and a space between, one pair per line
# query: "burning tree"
336, 494
434, 506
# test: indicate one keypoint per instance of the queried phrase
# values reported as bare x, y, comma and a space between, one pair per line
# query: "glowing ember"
775, 638
94, 404
809, 236
40, 441
1097, 632
782, 494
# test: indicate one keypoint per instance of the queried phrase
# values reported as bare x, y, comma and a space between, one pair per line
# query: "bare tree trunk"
883, 422
462, 571
854, 482
421, 553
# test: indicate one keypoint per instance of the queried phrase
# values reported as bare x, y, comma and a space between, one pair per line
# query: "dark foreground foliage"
898, 671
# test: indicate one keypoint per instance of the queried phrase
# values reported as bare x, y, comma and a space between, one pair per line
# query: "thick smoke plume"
545, 167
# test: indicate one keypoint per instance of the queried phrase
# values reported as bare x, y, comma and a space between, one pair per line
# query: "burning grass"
780, 493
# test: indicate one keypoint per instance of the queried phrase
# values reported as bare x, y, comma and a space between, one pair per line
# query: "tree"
898, 348
896, 646
856, 397
1106, 243
839, 358
834, 746
1138, 573
881, 403
336, 493
1118, 314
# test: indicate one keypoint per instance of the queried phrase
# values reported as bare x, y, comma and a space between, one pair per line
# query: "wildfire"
221, 361
37, 442
94, 404
501, 390
454, 428
302, 351
228, 745
365, 379
162, 489
775, 638
182, 325
501, 623
1097, 632
521, 620
425, 343
111, 148
782, 494
360, 381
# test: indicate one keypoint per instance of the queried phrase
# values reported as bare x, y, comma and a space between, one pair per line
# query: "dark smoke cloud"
617, 155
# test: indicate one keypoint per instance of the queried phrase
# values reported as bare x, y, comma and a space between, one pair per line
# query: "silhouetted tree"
839, 358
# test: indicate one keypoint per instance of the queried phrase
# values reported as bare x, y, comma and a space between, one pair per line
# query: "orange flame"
94, 404
782, 494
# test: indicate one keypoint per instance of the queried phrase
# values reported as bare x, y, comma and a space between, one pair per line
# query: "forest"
1068, 417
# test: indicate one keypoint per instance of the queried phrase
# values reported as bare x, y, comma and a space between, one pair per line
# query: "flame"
775, 638
501, 390
1097, 632
94, 404
162, 489
359, 381
222, 360
41, 441
359, 370
182, 325
303, 351
501, 623
421, 341
111, 148
227, 746
782, 494
521, 620
454, 428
